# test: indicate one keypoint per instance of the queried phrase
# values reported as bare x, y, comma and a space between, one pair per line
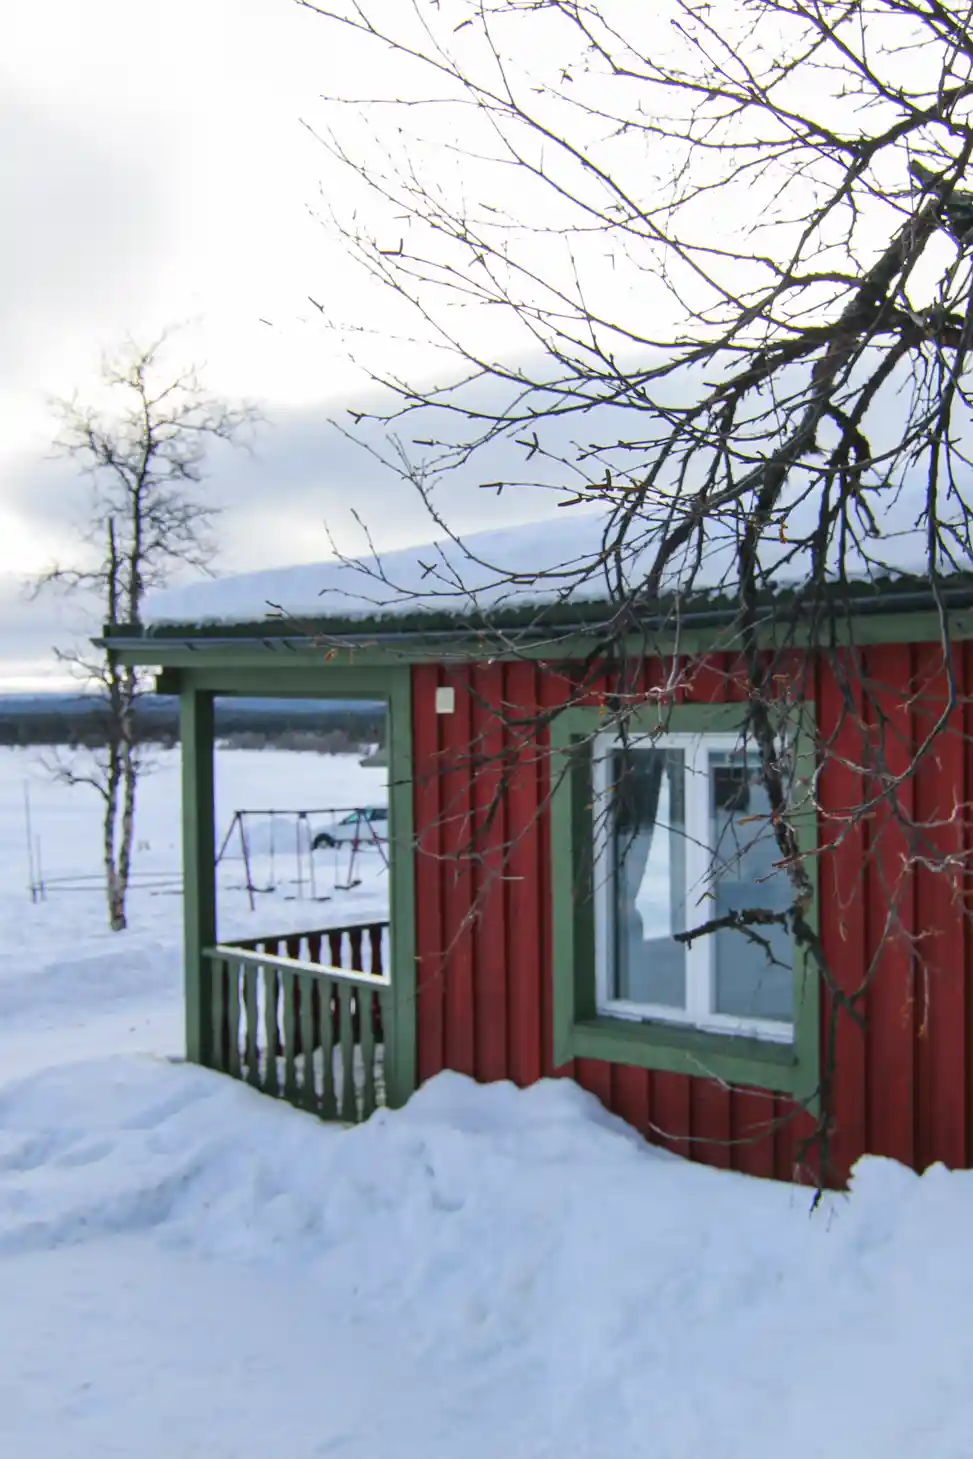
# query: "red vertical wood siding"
489, 824
967, 905
941, 996
429, 912
891, 1001
842, 891
903, 1082
524, 935
457, 873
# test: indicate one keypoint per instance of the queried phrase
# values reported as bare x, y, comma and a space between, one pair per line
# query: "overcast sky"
157, 167
154, 168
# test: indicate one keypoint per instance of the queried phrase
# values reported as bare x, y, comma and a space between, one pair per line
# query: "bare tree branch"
145, 458
711, 273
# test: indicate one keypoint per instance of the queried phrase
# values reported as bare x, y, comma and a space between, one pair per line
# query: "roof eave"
173, 643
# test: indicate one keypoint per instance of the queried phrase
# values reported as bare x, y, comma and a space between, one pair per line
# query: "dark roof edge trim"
126, 635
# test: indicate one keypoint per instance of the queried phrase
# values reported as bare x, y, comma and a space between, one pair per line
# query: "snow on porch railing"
302, 1030
360, 948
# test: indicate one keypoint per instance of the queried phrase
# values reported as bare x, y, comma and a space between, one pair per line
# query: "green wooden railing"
303, 1017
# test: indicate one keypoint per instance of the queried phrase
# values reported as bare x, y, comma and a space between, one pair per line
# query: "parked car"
370, 823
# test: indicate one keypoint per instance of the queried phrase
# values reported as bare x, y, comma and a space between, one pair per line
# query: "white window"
682, 837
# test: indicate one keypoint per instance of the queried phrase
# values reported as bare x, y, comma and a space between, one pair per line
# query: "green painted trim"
579, 1032
197, 686
300, 681
754, 1063
882, 596
402, 895
257, 653
199, 876
168, 681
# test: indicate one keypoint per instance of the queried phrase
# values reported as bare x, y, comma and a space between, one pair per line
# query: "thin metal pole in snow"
310, 857
226, 839
30, 843
245, 848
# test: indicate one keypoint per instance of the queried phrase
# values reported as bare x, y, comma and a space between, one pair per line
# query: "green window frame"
580, 1030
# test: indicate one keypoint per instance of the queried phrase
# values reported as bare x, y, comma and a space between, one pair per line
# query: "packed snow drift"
571, 558
191, 1269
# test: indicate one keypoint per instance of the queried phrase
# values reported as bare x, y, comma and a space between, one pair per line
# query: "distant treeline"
81, 721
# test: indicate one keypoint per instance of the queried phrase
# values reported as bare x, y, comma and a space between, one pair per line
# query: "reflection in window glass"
650, 876
748, 982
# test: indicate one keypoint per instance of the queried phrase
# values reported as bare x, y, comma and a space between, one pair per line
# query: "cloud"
275, 505
84, 219
305, 476
30, 630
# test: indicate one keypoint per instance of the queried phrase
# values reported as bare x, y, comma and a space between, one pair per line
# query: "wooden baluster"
378, 1015
377, 935
356, 1014
271, 946
336, 943
329, 1109
271, 1081
349, 1105
365, 999
314, 947
218, 1010
251, 1005
382, 998
355, 938
294, 947
298, 998
378, 962
233, 1020
288, 992
308, 1000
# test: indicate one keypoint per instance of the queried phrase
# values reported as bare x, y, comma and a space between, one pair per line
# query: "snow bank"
505, 1272
189, 1268
500, 570
438, 576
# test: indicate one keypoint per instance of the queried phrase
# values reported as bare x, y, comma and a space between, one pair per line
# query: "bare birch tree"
705, 266
144, 451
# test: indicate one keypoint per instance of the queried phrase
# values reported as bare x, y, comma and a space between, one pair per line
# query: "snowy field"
63, 973
189, 1269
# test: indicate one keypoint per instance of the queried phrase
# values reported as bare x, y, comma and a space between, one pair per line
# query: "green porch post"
401, 1046
199, 876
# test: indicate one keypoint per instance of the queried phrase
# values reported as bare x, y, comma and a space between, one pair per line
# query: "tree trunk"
116, 896
116, 904
123, 778
129, 783
115, 884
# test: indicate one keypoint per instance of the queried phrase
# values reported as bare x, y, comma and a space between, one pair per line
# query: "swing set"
294, 827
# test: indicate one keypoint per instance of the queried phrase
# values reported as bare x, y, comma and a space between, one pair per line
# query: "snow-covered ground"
64, 975
189, 1269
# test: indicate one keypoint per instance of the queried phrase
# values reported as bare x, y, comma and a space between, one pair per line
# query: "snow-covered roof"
488, 570
559, 559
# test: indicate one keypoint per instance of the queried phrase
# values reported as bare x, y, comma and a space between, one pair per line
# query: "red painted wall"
904, 1084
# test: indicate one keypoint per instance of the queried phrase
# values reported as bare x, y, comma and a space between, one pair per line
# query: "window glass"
751, 981
649, 876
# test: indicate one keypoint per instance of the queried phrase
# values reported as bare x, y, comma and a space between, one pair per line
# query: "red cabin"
546, 864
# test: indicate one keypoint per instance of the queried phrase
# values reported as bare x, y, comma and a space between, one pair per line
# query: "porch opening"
300, 969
